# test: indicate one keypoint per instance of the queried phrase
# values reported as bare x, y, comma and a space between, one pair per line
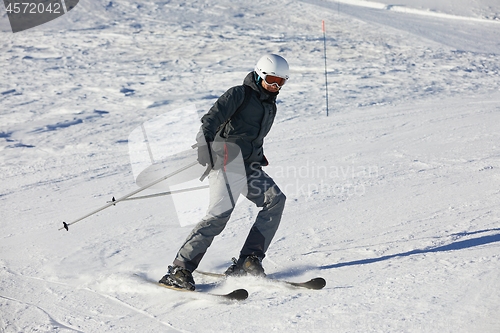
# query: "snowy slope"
460, 9
393, 198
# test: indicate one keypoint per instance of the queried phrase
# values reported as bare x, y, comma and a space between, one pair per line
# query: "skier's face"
271, 88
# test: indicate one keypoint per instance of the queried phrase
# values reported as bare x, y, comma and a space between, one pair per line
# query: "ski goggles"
274, 80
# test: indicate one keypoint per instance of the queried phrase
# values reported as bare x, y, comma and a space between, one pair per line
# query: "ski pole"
162, 193
66, 225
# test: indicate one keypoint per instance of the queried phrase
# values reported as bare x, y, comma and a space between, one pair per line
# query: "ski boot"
178, 277
251, 265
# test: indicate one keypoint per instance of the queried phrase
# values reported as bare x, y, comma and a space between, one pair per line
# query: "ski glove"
206, 155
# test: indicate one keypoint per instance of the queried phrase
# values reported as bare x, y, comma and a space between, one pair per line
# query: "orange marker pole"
326, 72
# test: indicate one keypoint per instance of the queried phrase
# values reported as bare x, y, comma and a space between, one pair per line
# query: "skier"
243, 116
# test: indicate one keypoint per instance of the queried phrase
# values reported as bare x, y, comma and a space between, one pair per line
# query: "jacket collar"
264, 95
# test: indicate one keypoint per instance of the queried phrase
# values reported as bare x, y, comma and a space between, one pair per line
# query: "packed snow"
393, 198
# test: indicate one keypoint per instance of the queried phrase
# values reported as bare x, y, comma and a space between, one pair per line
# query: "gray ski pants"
259, 188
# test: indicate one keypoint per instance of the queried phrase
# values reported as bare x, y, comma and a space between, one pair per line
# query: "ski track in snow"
53, 324
393, 198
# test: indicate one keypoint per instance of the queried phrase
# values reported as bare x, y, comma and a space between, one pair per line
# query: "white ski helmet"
272, 64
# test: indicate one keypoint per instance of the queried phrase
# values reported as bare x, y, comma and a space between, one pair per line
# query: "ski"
314, 284
236, 295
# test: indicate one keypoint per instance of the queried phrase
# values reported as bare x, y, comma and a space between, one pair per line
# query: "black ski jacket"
248, 127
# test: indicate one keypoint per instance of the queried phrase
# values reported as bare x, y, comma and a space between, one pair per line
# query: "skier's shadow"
458, 245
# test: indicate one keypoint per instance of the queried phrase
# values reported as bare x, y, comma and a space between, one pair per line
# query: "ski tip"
238, 294
318, 283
